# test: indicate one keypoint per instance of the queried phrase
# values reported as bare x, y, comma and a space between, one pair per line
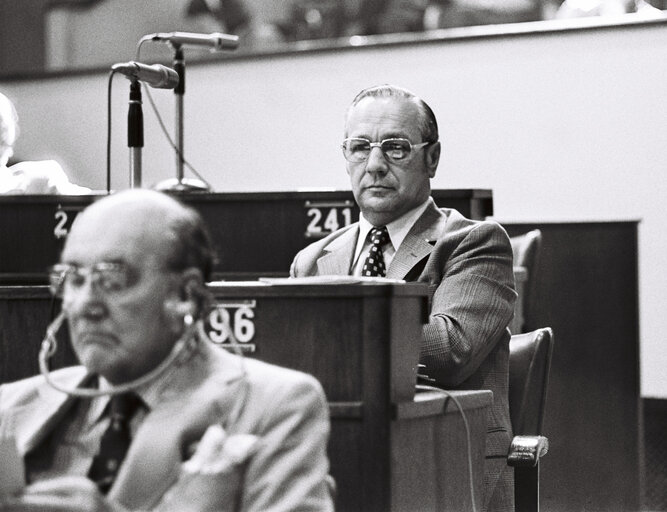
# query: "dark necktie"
374, 264
115, 441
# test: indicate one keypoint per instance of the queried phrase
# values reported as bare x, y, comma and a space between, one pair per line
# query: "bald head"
154, 223
137, 200
140, 258
144, 227
141, 217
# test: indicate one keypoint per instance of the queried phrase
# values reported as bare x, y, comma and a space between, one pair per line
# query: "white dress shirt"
397, 229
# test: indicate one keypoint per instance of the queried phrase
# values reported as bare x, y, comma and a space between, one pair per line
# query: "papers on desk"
235, 284
312, 280
327, 280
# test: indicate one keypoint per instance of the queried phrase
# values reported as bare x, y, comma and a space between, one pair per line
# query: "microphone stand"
135, 133
180, 183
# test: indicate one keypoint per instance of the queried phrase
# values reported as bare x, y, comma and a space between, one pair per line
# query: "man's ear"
184, 301
432, 158
191, 280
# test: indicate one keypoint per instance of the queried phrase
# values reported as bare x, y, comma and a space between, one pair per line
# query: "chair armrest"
527, 450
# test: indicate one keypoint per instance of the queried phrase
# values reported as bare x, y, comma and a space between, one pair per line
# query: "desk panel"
255, 234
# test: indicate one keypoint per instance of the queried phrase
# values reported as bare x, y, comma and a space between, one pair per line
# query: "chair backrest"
526, 249
530, 362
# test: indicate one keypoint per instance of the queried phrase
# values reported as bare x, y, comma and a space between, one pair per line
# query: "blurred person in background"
584, 8
254, 29
466, 13
28, 177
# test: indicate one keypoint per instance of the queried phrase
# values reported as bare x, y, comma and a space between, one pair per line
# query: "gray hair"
192, 248
428, 126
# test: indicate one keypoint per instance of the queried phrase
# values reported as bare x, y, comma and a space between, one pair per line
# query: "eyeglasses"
108, 277
358, 150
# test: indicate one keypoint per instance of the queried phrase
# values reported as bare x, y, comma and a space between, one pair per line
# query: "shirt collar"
181, 374
398, 229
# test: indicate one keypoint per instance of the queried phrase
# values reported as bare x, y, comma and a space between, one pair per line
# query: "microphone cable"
161, 122
171, 142
49, 346
111, 74
471, 484
193, 333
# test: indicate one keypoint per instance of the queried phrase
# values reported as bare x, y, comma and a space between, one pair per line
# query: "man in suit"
210, 430
392, 152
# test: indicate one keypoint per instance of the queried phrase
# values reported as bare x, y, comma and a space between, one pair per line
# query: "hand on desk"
65, 494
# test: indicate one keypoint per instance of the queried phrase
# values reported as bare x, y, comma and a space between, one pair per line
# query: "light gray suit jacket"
467, 265
286, 469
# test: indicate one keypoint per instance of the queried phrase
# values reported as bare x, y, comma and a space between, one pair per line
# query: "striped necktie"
115, 441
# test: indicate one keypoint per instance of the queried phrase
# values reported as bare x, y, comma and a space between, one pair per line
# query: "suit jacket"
276, 422
468, 267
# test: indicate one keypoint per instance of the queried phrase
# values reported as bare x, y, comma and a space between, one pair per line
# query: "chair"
526, 249
530, 362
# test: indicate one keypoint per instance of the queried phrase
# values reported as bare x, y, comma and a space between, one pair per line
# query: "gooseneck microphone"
215, 41
155, 75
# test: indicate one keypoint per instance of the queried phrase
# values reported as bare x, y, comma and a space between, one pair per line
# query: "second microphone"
155, 75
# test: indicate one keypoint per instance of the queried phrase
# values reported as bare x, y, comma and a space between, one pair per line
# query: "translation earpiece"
179, 308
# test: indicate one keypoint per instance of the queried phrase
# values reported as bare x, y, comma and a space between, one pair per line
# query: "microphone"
215, 41
155, 75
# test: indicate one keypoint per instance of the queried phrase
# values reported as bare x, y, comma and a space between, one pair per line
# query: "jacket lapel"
170, 429
338, 258
419, 242
30, 424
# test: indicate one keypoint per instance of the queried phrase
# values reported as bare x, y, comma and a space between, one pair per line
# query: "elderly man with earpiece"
155, 417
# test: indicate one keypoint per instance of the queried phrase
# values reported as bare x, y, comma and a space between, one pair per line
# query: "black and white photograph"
333, 255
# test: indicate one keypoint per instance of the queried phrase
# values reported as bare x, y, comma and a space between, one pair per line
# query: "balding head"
177, 232
137, 263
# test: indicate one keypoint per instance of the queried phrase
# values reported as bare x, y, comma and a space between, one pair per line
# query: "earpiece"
179, 308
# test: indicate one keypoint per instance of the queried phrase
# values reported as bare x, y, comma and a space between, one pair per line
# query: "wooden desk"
245, 227
390, 450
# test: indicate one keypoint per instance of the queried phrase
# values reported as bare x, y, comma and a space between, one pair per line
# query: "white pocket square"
211, 479
218, 452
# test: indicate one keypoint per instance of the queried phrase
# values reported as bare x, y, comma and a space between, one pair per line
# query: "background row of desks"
255, 234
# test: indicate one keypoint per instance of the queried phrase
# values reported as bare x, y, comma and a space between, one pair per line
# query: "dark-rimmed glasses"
357, 149
108, 277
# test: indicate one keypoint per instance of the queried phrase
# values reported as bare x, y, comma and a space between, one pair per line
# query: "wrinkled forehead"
136, 234
395, 116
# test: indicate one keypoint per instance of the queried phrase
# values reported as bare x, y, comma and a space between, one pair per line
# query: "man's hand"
65, 494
